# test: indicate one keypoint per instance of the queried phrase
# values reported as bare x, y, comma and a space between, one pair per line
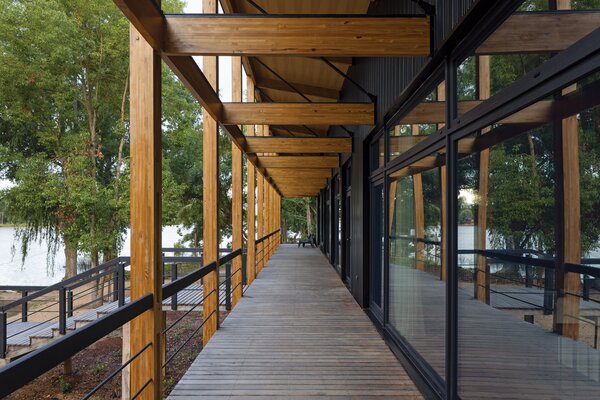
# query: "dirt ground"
93, 364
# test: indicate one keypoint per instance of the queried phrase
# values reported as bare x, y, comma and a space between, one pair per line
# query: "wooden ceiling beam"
307, 90
149, 21
298, 114
298, 145
299, 173
433, 112
337, 36
541, 32
299, 162
293, 130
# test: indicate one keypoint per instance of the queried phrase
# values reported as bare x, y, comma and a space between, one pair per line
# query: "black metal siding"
386, 78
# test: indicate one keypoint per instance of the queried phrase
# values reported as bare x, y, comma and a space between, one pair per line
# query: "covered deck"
296, 333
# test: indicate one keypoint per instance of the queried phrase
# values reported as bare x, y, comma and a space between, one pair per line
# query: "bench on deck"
310, 240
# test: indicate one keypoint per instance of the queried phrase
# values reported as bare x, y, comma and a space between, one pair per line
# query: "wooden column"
260, 219
146, 264
210, 156
419, 215
441, 95
481, 291
251, 256
568, 284
236, 189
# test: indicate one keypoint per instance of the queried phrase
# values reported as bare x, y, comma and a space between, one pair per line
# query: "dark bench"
304, 242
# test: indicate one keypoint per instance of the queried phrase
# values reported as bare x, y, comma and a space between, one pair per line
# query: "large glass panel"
528, 218
423, 120
537, 31
377, 244
417, 303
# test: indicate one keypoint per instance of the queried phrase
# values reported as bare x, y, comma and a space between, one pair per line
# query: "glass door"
377, 247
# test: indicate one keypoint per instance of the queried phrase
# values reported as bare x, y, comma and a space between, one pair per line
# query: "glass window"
417, 124
417, 291
528, 218
378, 153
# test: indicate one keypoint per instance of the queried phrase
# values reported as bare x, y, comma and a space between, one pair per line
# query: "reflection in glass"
416, 292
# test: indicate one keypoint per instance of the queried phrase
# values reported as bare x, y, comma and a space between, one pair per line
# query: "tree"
298, 215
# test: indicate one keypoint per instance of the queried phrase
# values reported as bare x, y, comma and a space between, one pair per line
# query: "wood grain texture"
540, 32
309, 340
298, 145
308, 90
340, 36
433, 112
484, 87
299, 113
251, 182
210, 194
316, 162
146, 227
419, 214
299, 173
236, 190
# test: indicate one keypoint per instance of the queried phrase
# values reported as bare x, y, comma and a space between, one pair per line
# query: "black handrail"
20, 372
262, 239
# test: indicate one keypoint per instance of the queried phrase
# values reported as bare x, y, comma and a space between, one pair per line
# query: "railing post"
116, 272
528, 277
244, 271
121, 285
228, 286
173, 279
24, 307
70, 303
548, 291
587, 283
3, 334
487, 282
62, 310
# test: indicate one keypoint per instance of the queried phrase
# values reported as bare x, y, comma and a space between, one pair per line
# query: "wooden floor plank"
296, 334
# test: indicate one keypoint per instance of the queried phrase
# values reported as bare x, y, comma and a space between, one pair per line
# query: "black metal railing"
25, 369
264, 250
66, 296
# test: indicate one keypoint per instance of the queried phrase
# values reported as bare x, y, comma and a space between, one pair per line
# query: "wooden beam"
481, 276
256, 35
547, 32
298, 145
432, 112
210, 200
299, 173
236, 190
299, 113
419, 214
293, 130
568, 284
146, 226
308, 90
299, 162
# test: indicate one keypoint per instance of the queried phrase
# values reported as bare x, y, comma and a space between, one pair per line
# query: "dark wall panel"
386, 78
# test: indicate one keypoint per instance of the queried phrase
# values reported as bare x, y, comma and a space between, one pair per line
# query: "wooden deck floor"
296, 334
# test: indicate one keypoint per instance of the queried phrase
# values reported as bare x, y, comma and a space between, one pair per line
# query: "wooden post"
568, 284
441, 95
236, 189
260, 216
481, 291
146, 264
210, 151
251, 255
125, 356
419, 215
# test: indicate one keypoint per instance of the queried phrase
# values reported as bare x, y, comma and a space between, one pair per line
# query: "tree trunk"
71, 260
308, 219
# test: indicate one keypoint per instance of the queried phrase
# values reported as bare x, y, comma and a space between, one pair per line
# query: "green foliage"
64, 386
294, 217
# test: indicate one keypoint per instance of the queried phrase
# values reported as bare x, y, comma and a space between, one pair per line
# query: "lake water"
36, 271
